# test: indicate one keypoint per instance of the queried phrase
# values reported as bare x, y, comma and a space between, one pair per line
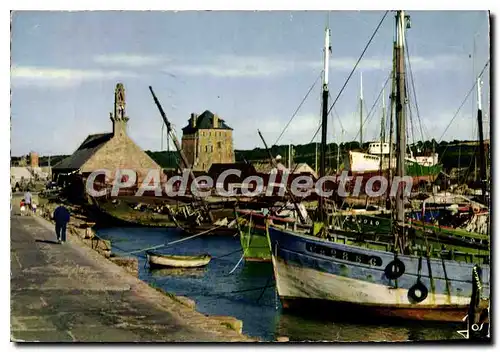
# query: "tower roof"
206, 121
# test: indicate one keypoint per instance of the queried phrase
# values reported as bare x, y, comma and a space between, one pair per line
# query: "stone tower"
119, 117
207, 140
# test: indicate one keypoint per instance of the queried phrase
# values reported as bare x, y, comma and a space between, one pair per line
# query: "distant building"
301, 168
268, 168
109, 150
207, 140
33, 159
20, 174
304, 169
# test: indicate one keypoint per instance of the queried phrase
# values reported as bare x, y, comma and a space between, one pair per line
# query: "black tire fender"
418, 292
394, 269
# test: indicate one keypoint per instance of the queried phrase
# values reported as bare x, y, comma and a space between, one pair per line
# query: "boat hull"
368, 165
253, 234
348, 310
157, 260
310, 271
255, 244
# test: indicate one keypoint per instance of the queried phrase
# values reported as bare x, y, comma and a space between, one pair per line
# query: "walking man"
61, 217
27, 200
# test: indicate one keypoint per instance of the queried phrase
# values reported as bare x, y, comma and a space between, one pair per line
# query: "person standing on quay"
27, 200
61, 217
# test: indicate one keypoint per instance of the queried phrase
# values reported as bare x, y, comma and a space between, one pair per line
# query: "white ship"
361, 162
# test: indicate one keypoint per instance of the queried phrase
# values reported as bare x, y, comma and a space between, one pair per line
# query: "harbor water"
246, 291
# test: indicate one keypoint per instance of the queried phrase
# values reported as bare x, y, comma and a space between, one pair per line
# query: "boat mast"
316, 157
183, 158
361, 110
324, 119
382, 131
482, 159
162, 135
400, 114
338, 154
391, 123
290, 157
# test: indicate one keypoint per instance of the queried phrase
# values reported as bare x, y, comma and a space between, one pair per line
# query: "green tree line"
453, 154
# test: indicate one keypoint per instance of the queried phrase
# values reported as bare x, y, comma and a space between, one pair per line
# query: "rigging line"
423, 129
337, 114
468, 172
354, 68
411, 126
298, 108
465, 100
413, 87
365, 109
340, 121
461, 105
373, 106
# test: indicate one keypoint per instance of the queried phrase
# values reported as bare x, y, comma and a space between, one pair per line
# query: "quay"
70, 293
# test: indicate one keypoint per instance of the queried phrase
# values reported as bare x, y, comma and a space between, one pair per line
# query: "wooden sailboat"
404, 280
252, 226
435, 211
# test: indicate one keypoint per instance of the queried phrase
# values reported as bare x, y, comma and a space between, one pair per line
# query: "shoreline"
123, 270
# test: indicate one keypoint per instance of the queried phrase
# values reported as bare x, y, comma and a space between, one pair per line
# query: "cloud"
441, 62
259, 66
222, 66
130, 60
234, 66
60, 77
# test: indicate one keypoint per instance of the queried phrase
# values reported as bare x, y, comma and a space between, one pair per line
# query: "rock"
104, 253
74, 231
283, 339
98, 243
89, 233
230, 322
130, 264
188, 302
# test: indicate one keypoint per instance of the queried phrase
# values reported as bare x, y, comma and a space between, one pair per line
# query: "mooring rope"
265, 287
239, 261
176, 241
228, 254
230, 225
254, 289
245, 250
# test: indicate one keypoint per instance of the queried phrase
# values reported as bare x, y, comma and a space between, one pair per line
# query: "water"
243, 294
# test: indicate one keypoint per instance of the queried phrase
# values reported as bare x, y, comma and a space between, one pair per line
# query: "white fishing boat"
363, 162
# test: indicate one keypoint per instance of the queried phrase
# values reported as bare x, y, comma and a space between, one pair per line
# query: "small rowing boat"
177, 261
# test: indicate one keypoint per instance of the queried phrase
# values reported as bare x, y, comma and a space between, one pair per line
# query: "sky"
251, 68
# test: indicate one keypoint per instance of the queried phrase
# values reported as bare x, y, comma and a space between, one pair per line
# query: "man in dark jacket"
61, 217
